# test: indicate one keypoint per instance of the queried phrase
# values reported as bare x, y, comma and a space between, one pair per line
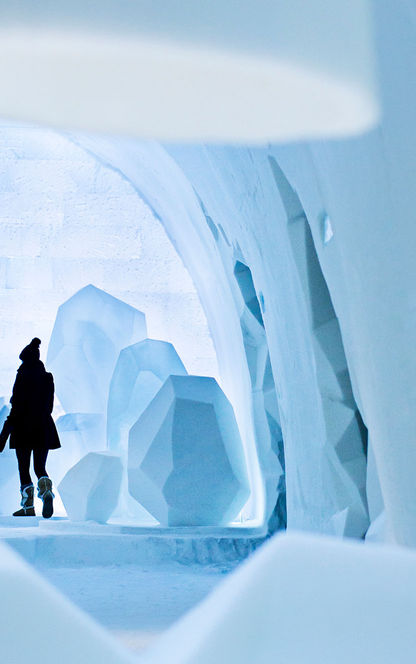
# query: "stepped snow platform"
61, 543
134, 581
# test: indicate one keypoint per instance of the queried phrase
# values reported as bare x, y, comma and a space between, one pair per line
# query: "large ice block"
306, 600
90, 330
79, 433
56, 631
185, 458
140, 371
90, 489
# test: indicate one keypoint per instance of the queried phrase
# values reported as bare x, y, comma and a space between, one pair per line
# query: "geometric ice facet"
349, 521
90, 489
346, 435
186, 461
90, 330
379, 531
373, 488
331, 364
140, 372
79, 433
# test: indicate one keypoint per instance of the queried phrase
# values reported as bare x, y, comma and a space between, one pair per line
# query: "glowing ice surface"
90, 489
185, 461
90, 330
79, 434
140, 371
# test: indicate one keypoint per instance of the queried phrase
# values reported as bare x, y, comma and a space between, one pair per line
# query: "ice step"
63, 544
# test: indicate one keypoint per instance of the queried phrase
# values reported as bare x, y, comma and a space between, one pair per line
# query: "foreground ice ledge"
54, 630
304, 600
234, 71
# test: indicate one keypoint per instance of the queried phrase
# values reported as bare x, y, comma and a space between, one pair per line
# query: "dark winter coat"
30, 422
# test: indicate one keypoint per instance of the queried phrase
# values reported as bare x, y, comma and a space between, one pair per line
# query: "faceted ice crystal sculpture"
90, 330
90, 489
140, 371
185, 457
79, 434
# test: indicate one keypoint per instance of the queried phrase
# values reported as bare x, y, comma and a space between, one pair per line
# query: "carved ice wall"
235, 186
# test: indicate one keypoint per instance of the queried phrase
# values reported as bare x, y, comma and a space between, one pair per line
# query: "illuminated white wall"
67, 220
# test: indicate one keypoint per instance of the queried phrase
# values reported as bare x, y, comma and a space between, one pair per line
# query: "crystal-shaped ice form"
90, 330
379, 531
79, 434
186, 463
140, 371
90, 489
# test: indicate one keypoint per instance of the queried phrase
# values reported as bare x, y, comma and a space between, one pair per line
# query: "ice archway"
207, 199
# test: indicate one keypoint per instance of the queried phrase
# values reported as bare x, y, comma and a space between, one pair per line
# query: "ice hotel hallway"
208, 209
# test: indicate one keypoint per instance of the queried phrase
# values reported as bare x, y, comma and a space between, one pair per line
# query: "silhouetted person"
31, 428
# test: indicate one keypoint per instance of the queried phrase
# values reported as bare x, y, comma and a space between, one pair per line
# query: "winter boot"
46, 495
26, 502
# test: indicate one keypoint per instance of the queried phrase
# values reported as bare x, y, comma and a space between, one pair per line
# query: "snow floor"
134, 581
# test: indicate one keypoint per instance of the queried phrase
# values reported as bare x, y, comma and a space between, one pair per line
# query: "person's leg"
26, 486
23, 462
44, 483
39, 462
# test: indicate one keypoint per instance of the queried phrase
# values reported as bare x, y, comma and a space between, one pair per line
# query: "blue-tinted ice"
140, 371
90, 330
79, 433
90, 489
186, 462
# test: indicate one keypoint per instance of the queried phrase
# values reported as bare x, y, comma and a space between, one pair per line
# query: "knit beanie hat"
31, 352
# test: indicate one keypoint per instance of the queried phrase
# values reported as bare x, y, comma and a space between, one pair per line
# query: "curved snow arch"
220, 205
161, 183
